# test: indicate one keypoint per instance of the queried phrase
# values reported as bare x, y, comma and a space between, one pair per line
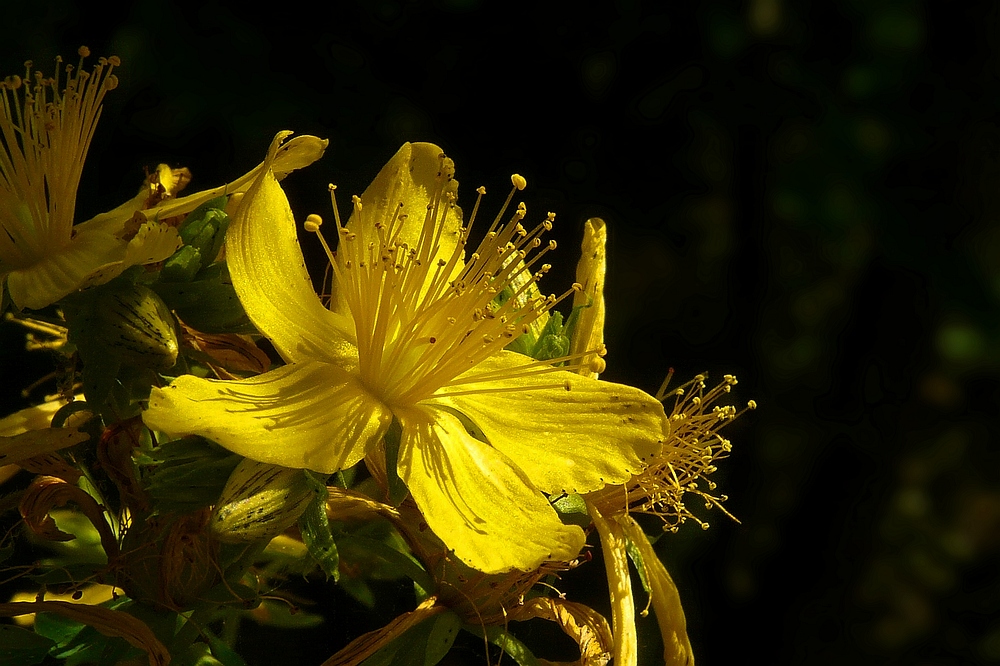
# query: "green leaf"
378, 560
196, 654
503, 639
21, 647
424, 645
316, 534
224, 653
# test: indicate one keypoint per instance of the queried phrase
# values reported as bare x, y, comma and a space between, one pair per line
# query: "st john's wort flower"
414, 335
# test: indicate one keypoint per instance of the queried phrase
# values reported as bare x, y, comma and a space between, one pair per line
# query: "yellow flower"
46, 131
685, 463
687, 459
414, 335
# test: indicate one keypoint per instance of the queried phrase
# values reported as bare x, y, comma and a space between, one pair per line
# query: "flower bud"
259, 502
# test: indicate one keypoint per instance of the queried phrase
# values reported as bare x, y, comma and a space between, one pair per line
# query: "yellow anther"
313, 223
752, 404
83, 52
115, 61
577, 286
518, 181
552, 244
481, 190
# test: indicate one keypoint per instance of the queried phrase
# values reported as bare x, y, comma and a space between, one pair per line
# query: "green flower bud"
259, 502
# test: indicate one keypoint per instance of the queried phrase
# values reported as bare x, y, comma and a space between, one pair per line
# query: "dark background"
801, 194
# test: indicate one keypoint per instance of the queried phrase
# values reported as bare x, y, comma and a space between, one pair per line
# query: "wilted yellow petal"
613, 546
588, 333
368, 644
476, 499
666, 600
581, 623
36, 442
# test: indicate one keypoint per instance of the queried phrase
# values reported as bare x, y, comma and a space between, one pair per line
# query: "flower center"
423, 315
45, 132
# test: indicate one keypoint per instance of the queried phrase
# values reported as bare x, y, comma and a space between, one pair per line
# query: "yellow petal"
32, 418
297, 153
476, 500
64, 270
571, 441
406, 185
36, 442
271, 280
666, 600
588, 332
620, 587
305, 416
154, 242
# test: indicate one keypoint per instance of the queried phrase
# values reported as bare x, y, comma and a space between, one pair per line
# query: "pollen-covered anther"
518, 181
313, 223
577, 287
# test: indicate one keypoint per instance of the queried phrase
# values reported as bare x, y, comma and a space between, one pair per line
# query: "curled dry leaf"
48, 492
105, 620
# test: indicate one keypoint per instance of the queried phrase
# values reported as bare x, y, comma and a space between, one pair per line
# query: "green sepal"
316, 534
552, 342
424, 645
205, 229
376, 551
209, 303
189, 474
572, 510
182, 265
397, 489
640, 566
203, 232
22, 647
